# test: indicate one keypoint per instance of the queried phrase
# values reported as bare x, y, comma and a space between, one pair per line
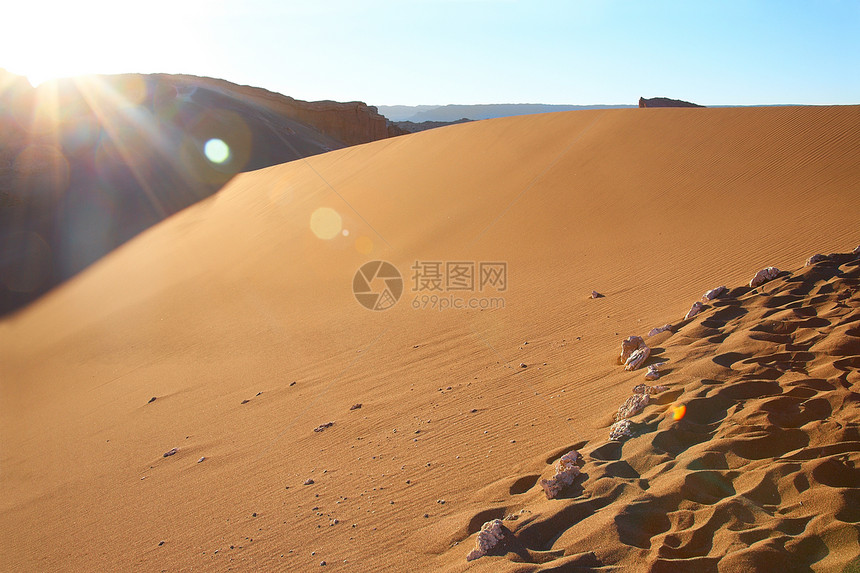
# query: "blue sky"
412, 52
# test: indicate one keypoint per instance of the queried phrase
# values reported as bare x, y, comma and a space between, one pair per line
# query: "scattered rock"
714, 293
630, 345
292, 383
201, 459
322, 427
160, 543
170, 452
815, 259
491, 534
523, 365
632, 406
566, 471
308, 481
151, 400
653, 373
595, 294
694, 310
650, 390
763, 276
620, 430
637, 358
657, 330
245, 401
355, 407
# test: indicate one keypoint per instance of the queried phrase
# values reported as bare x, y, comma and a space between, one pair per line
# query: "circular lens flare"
216, 150
326, 223
678, 412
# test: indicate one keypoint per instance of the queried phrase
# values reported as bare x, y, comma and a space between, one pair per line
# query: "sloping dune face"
169, 408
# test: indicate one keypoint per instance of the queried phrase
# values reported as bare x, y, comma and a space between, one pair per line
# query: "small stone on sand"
491, 534
658, 329
694, 310
620, 430
763, 276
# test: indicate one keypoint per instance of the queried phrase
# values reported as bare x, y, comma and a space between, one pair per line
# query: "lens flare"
216, 150
678, 412
326, 223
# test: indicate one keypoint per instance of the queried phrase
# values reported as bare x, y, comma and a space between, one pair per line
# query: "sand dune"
218, 310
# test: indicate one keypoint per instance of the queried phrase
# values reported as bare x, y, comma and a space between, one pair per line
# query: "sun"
49, 39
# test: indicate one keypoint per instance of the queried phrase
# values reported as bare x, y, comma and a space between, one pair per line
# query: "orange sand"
217, 310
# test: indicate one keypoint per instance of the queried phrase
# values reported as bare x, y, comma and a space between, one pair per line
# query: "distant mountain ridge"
454, 112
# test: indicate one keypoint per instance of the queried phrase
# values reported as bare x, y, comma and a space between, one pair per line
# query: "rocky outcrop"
105, 157
665, 102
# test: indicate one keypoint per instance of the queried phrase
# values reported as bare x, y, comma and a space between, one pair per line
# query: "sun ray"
94, 91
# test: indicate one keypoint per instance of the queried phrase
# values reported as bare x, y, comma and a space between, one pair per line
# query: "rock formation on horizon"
665, 102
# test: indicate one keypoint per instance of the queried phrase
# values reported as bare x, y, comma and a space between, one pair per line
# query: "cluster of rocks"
623, 427
634, 353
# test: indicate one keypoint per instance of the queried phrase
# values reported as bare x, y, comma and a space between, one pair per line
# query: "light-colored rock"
637, 358
491, 534
632, 406
566, 471
621, 430
653, 373
658, 329
650, 390
857, 250
595, 294
815, 259
694, 310
630, 345
763, 276
714, 293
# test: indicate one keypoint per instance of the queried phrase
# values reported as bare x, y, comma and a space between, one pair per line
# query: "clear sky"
411, 52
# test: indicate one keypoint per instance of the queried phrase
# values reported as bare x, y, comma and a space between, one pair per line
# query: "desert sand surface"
242, 325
